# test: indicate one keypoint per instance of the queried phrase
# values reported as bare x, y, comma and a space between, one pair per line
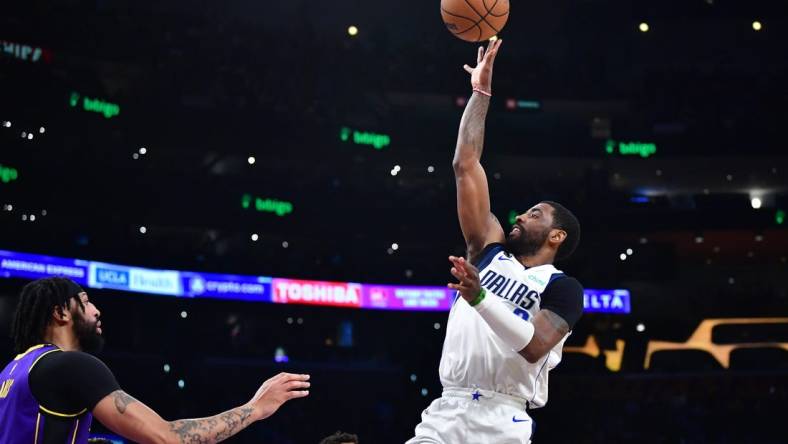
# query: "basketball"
474, 20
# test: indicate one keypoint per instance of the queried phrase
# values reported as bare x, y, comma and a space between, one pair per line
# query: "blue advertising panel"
194, 284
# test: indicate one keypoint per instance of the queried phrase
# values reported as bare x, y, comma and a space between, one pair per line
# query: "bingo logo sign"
338, 294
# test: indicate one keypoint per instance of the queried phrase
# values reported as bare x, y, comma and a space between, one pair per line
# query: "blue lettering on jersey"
511, 290
522, 313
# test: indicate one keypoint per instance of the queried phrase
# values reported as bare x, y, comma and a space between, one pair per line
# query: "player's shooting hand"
276, 391
481, 75
469, 285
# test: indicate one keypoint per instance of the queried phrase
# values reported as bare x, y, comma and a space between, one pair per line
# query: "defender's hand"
469, 284
276, 391
481, 75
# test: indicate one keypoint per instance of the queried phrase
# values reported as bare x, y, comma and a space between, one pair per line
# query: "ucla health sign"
193, 284
134, 279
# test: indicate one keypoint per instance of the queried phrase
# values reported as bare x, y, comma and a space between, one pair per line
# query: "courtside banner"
391, 297
36, 266
134, 279
606, 301
338, 294
193, 284
226, 286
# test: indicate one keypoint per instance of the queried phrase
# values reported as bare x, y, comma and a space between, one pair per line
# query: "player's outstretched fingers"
468, 69
459, 263
296, 377
455, 260
458, 287
493, 51
296, 385
297, 394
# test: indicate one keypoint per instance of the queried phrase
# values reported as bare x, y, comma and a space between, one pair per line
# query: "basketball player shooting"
514, 309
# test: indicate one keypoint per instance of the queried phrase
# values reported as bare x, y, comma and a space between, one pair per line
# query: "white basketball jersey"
475, 357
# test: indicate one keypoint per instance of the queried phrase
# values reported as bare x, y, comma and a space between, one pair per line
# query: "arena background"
668, 143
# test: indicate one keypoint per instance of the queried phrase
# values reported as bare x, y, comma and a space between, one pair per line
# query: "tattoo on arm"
557, 322
471, 137
545, 339
122, 400
214, 429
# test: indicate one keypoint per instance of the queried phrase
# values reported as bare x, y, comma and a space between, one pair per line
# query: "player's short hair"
34, 311
340, 438
567, 221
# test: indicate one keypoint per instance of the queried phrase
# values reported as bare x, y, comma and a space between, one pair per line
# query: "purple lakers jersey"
22, 418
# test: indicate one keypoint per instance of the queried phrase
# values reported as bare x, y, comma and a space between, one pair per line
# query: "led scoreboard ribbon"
192, 284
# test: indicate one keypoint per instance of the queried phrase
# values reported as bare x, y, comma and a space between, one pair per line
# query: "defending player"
53, 388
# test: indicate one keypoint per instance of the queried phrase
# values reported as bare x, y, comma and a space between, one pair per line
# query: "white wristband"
514, 330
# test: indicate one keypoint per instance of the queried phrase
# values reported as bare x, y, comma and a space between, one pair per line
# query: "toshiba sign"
290, 291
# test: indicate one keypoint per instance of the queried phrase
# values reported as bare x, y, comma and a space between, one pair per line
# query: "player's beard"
527, 243
90, 341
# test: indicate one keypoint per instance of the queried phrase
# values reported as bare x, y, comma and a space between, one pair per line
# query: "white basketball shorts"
472, 416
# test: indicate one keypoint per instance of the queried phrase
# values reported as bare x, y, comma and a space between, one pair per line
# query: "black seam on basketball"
476, 23
484, 17
490, 13
478, 37
497, 15
490, 10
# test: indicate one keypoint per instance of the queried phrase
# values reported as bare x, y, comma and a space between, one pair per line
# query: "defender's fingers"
297, 394
293, 385
494, 51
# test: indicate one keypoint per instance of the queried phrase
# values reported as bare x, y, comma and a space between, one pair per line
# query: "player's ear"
59, 315
557, 236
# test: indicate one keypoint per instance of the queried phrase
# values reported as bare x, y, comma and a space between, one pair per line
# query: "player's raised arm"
479, 225
132, 419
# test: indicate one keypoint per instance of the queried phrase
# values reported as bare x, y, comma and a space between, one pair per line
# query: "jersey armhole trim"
39, 358
61, 415
41, 407
33, 348
486, 255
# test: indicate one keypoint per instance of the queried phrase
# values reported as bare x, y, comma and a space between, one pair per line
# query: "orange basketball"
474, 20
